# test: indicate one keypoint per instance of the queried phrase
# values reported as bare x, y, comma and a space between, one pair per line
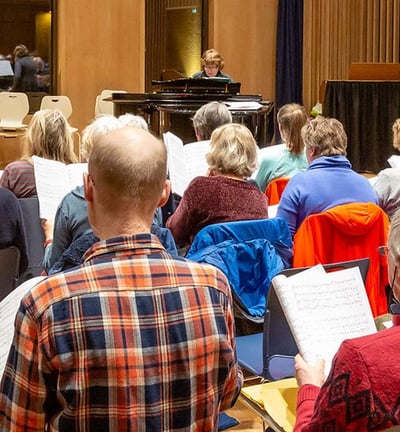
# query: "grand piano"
173, 103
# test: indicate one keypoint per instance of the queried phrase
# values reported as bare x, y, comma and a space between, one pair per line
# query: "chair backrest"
9, 270
35, 100
14, 106
250, 253
344, 233
104, 106
279, 346
63, 103
35, 237
275, 188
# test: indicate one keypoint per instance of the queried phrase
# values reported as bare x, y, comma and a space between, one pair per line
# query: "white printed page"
195, 157
176, 163
53, 181
394, 161
8, 310
325, 311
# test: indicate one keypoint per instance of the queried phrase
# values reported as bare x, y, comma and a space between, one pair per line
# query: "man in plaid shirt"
132, 340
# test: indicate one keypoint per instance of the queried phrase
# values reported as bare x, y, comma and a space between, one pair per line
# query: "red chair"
343, 233
275, 188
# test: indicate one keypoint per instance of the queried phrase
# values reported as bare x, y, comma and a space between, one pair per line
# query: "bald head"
128, 167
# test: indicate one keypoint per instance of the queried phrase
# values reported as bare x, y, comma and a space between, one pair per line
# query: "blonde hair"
326, 135
291, 118
233, 150
212, 57
93, 131
21, 51
49, 136
396, 134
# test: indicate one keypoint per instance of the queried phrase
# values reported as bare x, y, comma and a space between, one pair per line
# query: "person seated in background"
224, 194
211, 64
25, 70
289, 159
328, 181
70, 234
48, 136
387, 183
133, 339
361, 392
12, 229
208, 117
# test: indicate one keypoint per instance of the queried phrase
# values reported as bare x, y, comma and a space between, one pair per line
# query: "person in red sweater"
362, 391
224, 194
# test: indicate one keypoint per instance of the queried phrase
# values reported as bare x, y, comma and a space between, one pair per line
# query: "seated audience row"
123, 341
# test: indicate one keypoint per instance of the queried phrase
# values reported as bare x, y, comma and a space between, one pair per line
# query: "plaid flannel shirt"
133, 340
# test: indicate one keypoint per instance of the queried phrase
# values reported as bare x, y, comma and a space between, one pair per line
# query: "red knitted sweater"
362, 391
210, 200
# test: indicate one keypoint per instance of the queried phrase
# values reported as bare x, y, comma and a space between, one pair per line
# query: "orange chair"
343, 233
275, 188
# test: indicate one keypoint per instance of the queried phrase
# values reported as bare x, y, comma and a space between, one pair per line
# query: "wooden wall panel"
100, 45
245, 34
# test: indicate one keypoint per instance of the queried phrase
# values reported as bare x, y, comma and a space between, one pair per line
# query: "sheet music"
53, 181
8, 310
394, 161
184, 161
195, 157
324, 310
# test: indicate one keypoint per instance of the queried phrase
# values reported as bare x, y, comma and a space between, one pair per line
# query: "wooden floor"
248, 420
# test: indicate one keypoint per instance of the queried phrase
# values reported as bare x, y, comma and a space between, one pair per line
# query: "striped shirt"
133, 340
19, 178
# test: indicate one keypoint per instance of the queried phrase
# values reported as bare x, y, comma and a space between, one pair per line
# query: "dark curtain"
367, 110
289, 53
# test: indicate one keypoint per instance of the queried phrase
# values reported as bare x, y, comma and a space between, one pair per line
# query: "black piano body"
174, 102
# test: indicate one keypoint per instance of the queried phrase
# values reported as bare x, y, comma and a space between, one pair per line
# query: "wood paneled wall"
100, 46
245, 34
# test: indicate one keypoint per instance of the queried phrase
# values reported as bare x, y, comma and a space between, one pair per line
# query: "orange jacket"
344, 233
275, 188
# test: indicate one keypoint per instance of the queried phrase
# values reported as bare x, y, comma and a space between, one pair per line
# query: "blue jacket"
249, 253
328, 182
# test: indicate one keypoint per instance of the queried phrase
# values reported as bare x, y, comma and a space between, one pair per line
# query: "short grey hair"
209, 117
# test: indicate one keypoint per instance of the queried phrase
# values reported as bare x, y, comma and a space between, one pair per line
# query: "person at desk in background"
289, 159
387, 183
329, 180
211, 64
361, 392
224, 194
134, 339
25, 70
48, 136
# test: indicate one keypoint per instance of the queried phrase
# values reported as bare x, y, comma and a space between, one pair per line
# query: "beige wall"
101, 44
245, 34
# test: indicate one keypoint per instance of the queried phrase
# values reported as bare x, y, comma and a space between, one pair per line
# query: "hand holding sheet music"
323, 309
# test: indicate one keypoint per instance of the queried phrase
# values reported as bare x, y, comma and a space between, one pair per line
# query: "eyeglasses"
383, 251
211, 67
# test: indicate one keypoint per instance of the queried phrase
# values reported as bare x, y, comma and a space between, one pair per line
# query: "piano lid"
197, 85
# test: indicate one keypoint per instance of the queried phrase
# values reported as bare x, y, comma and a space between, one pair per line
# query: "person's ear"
165, 194
198, 136
88, 187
